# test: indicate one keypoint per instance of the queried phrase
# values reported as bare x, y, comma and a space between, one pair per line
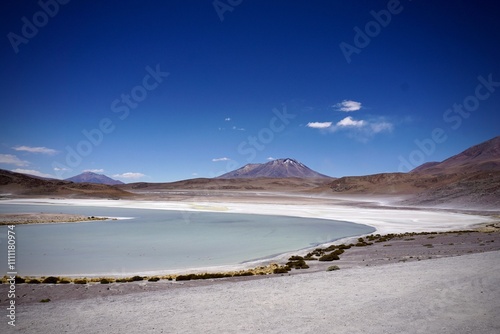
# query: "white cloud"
32, 172
319, 125
57, 169
381, 127
43, 150
129, 175
348, 106
270, 158
220, 159
349, 122
239, 129
227, 119
12, 160
94, 170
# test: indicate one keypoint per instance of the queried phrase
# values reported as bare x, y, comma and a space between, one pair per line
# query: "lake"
159, 240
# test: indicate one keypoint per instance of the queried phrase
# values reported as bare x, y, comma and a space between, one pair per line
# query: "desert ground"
444, 282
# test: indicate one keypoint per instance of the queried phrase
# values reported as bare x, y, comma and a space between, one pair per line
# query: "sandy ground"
447, 295
415, 285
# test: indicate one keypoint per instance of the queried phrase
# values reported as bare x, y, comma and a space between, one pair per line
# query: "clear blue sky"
167, 90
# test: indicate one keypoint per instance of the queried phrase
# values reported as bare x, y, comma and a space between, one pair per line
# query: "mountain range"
470, 179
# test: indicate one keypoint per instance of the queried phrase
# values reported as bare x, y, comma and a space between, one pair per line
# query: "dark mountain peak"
279, 168
91, 177
287, 161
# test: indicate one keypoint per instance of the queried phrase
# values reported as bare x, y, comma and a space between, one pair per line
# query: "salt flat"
384, 219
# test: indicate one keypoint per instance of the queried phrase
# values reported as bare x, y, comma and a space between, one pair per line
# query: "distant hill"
468, 179
17, 184
481, 157
90, 177
279, 168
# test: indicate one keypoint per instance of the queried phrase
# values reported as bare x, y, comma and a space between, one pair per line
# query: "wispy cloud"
12, 160
129, 175
94, 170
39, 149
349, 122
270, 158
32, 172
59, 169
359, 129
238, 129
319, 125
381, 126
227, 119
348, 106
220, 159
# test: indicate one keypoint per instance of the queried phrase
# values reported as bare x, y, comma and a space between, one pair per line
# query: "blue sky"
161, 91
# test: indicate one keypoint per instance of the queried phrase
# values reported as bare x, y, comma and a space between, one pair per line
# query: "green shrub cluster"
281, 270
297, 262
136, 279
189, 277
50, 280
332, 268
244, 273
329, 257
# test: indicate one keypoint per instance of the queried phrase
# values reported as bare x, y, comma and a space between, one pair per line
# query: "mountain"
89, 177
470, 179
17, 184
481, 157
279, 168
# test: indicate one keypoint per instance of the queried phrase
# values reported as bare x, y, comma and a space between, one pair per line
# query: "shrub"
34, 281
332, 268
153, 279
297, 264
281, 270
331, 248
244, 273
104, 281
329, 257
46, 300
64, 281
136, 279
80, 281
122, 280
20, 280
50, 280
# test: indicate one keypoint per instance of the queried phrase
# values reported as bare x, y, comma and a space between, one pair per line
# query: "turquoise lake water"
159, 240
